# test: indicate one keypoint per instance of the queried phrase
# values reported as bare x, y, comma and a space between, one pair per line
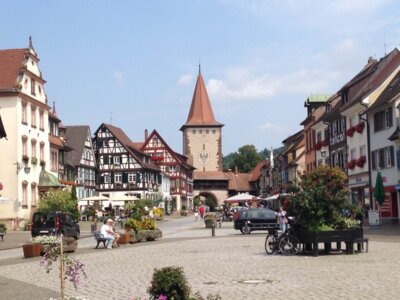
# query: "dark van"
252, 219
54, 223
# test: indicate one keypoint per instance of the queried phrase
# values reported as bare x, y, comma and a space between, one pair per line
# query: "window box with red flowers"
359, 127
325, 143
361, 161
351, 164
157, 158
350, 131
318, 146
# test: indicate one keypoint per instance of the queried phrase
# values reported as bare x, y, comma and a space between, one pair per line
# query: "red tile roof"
239, 181
201, 112
10, 65
256, 173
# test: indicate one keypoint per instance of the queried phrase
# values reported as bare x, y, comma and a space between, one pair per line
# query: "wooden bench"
2, 235
99, 239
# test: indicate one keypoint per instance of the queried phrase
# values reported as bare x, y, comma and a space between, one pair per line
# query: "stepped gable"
10, 65
201, 113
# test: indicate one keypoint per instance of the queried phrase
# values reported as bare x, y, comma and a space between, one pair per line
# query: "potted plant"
32, 249
321, 208
3, 228
42, 163
210, 221
184, 211
34, 161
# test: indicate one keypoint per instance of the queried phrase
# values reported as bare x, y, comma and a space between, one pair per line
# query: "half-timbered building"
175, 166
81, 164
122, 168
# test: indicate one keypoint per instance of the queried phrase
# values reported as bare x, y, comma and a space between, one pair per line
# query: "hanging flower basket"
350, 131
25, 158
318, 146
360, 127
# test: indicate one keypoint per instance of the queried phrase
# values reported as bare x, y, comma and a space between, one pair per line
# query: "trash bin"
93, 227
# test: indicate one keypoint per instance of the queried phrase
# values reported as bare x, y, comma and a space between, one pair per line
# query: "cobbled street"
229, 264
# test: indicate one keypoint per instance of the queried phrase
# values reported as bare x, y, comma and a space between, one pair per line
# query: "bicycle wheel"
290, 245
270, 243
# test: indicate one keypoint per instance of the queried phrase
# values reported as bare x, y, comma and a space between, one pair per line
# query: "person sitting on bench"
108, 233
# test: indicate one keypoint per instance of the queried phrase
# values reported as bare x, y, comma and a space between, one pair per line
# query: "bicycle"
287, 243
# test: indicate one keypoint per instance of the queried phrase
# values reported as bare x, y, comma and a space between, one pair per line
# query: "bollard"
213, 230
93, 227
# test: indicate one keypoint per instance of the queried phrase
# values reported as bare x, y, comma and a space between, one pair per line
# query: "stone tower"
202, 134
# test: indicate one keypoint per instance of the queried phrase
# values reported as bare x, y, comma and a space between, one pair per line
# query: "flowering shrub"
148, 224
158, 212
46, 240
72, 267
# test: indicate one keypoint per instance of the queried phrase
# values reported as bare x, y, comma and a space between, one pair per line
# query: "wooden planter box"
327, 237
124, 239
31, 250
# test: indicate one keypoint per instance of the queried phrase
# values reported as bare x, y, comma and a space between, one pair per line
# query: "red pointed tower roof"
201, 113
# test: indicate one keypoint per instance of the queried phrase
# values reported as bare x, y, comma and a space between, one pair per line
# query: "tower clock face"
204, 158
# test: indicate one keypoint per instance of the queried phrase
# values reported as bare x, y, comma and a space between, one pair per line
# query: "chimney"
371, 61
146, 134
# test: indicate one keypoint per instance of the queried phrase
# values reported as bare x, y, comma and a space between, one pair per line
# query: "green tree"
320, 198
247, 158
73, 193
229, 161
58, 200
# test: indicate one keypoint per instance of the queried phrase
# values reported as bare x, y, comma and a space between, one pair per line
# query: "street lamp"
323, 153
21, 166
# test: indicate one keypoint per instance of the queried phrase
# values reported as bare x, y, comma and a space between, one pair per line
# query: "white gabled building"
383, 117
24, 111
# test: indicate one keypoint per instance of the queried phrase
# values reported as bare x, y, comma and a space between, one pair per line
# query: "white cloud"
185, 79
248, 86
119, 78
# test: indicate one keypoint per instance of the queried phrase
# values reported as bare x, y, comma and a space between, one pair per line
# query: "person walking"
196, 213
201, 211
282, 219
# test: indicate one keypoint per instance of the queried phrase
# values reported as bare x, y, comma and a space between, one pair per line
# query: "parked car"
55, 223
251, 219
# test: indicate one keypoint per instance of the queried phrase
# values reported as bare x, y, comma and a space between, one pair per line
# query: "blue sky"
136, 62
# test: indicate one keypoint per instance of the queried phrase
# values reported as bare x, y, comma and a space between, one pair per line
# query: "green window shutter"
138, 177
112, 177
105, 159
125, 177
159, 179
101, 179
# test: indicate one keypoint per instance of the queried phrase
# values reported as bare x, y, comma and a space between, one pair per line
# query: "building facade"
25, 114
